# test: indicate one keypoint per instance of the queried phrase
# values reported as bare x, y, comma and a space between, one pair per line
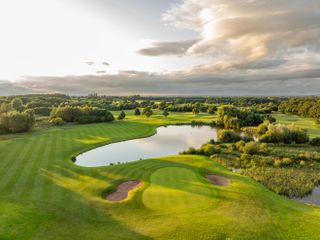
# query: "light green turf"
309, 124
43, 195
174, 188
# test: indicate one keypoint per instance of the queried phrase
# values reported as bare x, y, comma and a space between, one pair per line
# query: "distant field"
45, 196
173, 118
309, 124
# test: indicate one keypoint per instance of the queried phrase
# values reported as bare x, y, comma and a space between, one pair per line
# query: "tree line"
304, 107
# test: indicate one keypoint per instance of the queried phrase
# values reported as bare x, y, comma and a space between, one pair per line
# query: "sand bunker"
123, 190
218, 180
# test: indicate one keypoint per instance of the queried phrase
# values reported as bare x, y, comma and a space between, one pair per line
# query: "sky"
167, 47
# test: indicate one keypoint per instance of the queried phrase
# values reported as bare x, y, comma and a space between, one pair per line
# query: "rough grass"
45, 196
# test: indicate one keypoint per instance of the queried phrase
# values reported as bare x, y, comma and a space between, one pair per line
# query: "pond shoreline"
166, 140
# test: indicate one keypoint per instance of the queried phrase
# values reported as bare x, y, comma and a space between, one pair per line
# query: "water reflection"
313, 198
168, 141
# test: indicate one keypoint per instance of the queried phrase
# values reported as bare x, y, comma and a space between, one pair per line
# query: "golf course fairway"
44, 195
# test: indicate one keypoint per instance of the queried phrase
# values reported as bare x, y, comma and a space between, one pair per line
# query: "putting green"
175, 188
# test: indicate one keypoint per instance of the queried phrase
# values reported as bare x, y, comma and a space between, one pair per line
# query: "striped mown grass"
45, 196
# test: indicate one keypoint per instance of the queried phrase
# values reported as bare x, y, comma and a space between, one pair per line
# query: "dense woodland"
305, 107
20, 113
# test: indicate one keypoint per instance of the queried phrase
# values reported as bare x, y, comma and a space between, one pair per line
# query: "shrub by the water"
229, 136
209, 149
284, 134
206, 149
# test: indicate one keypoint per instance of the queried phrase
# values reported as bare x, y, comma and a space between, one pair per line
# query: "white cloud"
249, 30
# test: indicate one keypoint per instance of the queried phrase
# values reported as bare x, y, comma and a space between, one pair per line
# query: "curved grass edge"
131, 193
152, 127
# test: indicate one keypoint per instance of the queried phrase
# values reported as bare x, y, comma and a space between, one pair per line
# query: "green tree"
17, 104
5, 108
122, 115
137, 112
165, 113
17, 122
195, 111
147, 111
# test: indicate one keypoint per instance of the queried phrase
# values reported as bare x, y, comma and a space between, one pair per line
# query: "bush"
286, 161
229, 136
240, 145
17, 122
262, 128
190, 150
220, 123
284, 134
57, 121
209, 149
247, 138
315, 141
263, 147
251, 148
277, 163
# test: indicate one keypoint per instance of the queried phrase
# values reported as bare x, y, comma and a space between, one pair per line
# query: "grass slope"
45, 196
176, 188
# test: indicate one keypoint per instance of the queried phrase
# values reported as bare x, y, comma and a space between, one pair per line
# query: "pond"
169, 140
313, 198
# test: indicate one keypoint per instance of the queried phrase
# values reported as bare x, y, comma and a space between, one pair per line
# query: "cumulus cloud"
167, 48
235, 31
245, 47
